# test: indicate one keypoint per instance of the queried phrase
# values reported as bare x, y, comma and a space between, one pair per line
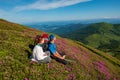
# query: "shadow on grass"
29, 53
60, 60
31, 46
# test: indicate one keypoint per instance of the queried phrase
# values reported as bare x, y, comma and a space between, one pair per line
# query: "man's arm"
54, 52
58, 55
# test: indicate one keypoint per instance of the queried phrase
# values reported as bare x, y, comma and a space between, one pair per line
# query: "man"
38, 54
52, 48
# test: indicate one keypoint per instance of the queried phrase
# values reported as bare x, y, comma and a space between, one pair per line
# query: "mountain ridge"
103, 36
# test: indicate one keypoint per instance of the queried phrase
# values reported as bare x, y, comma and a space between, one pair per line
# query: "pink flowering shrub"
68, 69
101, 67
26, 78
1, 62
64, 46
70, 77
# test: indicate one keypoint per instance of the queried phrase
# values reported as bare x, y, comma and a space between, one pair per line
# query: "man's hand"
63, 57
59, 56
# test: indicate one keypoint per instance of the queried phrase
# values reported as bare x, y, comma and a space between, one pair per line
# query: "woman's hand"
45, 55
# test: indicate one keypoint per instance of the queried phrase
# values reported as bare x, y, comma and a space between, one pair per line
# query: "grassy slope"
89, 64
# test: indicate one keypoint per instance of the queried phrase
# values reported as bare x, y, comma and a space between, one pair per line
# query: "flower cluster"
68, 68
71, 77
1, 62
100, 66
26, 78
67, 47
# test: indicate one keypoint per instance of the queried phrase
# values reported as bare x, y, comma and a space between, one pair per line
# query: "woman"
38, 55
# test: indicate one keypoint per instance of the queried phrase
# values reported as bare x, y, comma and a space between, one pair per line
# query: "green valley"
103, 36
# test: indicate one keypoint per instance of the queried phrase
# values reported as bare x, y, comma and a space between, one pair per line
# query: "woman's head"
41, 39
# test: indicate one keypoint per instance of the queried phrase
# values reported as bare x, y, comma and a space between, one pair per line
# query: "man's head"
52, 38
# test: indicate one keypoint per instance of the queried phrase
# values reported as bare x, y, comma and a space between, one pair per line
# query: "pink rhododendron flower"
26, 78
1, 62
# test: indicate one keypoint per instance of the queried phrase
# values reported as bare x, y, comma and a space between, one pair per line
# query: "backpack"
45, 47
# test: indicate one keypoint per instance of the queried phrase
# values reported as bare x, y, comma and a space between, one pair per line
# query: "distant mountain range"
72, 25
103, 36
55, 27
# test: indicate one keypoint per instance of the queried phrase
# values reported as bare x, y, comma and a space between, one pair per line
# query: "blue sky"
25, 11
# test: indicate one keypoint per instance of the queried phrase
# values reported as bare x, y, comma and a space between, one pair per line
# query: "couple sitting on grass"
39, 55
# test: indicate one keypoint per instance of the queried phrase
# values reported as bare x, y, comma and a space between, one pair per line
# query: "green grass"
15, 64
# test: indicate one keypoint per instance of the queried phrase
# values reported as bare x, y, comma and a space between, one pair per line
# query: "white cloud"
47, 4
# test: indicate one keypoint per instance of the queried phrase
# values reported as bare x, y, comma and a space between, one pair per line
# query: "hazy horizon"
24, 11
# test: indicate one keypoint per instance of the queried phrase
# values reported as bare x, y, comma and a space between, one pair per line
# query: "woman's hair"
40, 38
